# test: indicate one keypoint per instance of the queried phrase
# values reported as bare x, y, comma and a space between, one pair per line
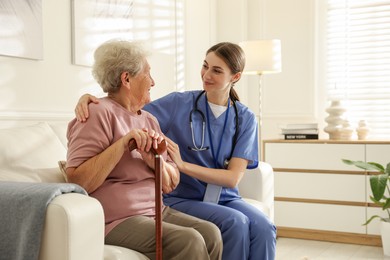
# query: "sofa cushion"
118, 253
60, 130
259, 205
31, 154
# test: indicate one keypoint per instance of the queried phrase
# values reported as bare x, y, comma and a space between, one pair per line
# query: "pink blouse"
129, 188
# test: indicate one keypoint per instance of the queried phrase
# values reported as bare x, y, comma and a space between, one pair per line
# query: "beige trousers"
184, 237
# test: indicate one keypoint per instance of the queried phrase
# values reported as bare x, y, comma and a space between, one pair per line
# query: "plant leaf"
387, 204
377, 202
376, 166
369, 166
370, 219
378, 185
388, 169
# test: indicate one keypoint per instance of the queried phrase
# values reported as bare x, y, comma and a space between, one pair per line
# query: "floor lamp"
262, 57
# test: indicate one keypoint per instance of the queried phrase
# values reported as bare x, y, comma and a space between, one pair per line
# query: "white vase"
336, 108
334, 120
385, 234
362, 130
346, 131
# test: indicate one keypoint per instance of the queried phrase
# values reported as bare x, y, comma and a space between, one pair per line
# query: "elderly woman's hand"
170, 178
144, 139
156, 137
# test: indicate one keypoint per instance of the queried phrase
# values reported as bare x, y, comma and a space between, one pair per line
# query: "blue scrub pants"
246, 232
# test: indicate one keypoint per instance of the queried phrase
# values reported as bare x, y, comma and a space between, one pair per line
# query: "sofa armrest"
73, 229
258, 184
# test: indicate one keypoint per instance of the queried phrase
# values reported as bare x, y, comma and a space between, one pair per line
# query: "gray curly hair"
114, 57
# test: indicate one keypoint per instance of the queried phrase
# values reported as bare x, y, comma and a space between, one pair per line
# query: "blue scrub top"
173, 113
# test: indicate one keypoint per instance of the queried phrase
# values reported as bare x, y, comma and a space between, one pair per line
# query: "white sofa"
74, 223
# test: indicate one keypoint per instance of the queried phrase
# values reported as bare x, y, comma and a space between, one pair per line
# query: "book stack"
300, 131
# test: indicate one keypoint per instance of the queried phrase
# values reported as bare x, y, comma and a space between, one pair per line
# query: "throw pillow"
62, 165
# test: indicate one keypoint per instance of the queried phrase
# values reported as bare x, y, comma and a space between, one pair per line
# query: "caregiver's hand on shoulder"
81, 109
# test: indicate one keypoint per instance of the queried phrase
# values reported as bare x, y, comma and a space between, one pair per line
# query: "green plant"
379, 185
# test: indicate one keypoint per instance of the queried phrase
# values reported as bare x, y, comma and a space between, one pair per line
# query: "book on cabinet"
300, 136
299, 131
299, 126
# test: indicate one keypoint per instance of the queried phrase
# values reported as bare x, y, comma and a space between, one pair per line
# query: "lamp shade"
262, 56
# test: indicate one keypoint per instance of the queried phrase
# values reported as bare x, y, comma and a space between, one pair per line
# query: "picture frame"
21, 29
94, 22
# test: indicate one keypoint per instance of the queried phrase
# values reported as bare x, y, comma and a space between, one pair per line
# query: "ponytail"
233, 94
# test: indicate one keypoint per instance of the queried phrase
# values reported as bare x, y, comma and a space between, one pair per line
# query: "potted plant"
380, 184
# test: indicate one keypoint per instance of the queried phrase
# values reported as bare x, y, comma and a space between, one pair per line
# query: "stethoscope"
202, 147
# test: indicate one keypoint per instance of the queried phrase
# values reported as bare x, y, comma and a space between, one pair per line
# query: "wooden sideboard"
319, 197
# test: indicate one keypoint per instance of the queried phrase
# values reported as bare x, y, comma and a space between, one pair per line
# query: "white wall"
200, 27
290, 96
51, 87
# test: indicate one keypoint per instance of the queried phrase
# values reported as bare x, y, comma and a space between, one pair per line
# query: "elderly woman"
99, 160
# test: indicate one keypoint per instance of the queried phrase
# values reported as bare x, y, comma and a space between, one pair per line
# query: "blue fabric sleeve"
164, 109
247, 146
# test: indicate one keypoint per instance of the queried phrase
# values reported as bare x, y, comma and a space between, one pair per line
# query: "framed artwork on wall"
94, 22
159, 24
21, 29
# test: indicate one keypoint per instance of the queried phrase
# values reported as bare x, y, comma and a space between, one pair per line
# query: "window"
159, 24
357, 60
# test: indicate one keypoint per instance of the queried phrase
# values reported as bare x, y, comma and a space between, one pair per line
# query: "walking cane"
162, 147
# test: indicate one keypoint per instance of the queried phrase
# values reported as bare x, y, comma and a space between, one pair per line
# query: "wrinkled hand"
167, 184
148, 158
81, 109
174, 151
144, 139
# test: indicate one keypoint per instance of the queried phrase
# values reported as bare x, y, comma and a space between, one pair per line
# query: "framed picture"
94, 22
21, 29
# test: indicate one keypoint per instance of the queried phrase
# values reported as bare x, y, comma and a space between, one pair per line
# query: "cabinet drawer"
313, 156
339, 187
320, 217
379, 153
